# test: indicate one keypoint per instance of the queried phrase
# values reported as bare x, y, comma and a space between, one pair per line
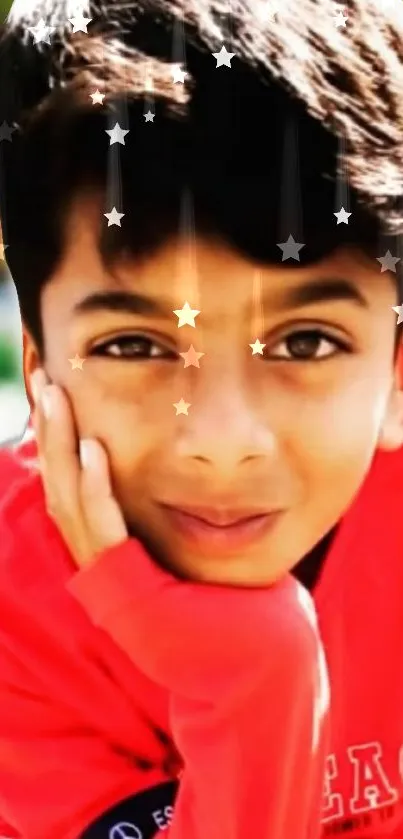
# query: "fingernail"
84, 453
37, 382
46, 402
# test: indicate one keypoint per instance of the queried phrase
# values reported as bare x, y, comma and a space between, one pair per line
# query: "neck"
309, 567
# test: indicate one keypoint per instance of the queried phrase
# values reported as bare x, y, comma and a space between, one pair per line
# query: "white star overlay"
291, 249
97, 98
114, 217
340, 20
6, 131
178, 75
342, 216
388, 262
223, 57
399, 312
186, 315
117, 134
41, 32
80, 23
257, 348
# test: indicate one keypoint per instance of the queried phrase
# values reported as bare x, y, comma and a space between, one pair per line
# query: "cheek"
130, 428
328, 452
337, 435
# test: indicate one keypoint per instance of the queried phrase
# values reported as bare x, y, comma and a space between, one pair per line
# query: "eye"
308, 345
132, 347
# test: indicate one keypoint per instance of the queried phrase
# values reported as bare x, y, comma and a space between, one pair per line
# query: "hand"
77, 486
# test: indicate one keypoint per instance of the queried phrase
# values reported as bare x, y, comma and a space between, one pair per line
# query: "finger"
60, 468
38, 382
59, 447
102, 513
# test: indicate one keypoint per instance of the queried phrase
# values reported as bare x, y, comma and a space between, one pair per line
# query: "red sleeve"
249, 691
56, 777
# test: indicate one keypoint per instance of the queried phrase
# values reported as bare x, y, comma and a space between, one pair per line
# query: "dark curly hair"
220, 137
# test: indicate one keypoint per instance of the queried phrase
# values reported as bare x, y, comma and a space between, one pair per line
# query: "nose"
224, 430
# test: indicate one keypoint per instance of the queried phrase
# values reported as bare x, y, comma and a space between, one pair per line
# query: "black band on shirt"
139, 817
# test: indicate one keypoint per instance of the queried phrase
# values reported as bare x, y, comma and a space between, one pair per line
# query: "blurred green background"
4, 8
14, 410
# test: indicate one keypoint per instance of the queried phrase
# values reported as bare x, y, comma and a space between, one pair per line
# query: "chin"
236, 573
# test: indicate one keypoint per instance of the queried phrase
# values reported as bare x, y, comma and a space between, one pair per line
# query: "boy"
213, 366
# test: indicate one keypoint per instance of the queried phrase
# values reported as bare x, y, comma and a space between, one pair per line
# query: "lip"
220, 538
219, 516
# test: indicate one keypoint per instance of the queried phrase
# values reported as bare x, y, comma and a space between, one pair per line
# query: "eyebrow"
313, 291
122, 301
322, 290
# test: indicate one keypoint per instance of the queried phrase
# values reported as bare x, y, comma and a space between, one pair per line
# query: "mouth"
221, 538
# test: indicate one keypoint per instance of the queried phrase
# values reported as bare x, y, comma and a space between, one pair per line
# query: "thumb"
104, 519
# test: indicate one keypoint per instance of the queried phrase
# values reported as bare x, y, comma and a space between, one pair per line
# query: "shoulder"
20, 484
384, 484
17, 462
32, 552
377, 515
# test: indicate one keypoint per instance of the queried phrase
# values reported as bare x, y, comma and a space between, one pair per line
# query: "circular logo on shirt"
125, 830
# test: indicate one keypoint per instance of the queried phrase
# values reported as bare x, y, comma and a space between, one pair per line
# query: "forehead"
190, 261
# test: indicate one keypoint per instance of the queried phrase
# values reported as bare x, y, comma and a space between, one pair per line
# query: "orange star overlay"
191, 357
181, 407
76, 362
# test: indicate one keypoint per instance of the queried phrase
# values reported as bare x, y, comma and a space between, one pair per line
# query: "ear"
30, 362
391, 435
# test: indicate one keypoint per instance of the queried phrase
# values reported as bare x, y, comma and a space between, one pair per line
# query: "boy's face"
289, 439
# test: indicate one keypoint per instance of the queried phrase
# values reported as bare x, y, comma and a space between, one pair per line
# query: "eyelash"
169, 355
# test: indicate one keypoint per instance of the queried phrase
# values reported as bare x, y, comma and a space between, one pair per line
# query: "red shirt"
119, 678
